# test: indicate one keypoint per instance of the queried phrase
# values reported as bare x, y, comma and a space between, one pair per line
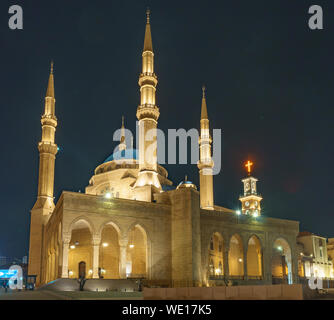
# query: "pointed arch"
114, 224
137, 251
81, 230
281, 261
215, 255
236, 256
142, 227
83, 219
109, 251
254, 257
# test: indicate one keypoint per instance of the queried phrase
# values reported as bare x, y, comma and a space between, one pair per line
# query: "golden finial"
148, 12
122, 121
51, 68
203, 90
248, 165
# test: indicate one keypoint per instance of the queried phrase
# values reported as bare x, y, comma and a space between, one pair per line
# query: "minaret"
250, 201
205, 163
147, 115
44, 205
122, 145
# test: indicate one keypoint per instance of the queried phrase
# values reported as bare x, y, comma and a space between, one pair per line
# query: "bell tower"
250, 200
147, 114
44, 205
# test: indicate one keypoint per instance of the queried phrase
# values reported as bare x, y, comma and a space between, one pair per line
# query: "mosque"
132, 222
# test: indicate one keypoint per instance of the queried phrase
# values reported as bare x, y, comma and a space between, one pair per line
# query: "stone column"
245, 264
225, 262
294, 267
96, 251
267, 256
122, 258
66, 244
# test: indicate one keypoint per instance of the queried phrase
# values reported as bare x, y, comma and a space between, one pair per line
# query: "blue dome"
123, 154
185, 182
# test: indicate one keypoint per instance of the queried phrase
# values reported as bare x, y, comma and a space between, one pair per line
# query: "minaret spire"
44, 204
147, 115
50, 92
204, 110
205, 164
122, 145
148, 37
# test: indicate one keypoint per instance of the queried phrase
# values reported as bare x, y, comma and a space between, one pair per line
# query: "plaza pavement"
67, 295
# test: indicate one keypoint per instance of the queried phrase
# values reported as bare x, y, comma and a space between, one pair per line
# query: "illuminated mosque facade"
131, 222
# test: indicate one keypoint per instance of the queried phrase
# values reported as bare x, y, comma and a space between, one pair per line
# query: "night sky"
269, 82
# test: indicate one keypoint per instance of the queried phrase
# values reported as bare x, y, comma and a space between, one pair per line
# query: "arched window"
236, 256
254, 257
109, 254
281, 262
215, 253
81, 250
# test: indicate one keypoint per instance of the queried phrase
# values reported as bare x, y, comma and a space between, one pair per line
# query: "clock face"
247, 203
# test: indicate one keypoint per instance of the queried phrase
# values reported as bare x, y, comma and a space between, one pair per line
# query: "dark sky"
269, 85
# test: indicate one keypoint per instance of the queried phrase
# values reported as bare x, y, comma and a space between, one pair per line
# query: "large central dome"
123, 154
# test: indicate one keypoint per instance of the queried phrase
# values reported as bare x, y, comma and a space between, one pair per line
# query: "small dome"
186, 184
123, 154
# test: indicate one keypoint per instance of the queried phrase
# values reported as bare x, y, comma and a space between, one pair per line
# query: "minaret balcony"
49, 120
148, 78
47, 147
204, 140
206, 163
148, 111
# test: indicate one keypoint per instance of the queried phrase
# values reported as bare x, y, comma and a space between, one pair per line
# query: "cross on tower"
248, 165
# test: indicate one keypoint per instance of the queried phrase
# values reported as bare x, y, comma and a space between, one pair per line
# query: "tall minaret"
147, 114
44, 205
122, 145
205, 163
